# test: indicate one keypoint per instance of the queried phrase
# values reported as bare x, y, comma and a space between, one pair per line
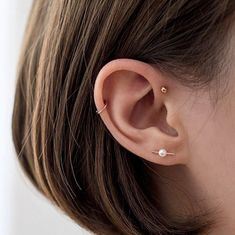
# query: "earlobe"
134, 101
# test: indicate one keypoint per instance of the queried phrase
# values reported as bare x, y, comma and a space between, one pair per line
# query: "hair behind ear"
60, 142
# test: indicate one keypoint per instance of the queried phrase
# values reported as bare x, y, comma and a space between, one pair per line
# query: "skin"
184, 121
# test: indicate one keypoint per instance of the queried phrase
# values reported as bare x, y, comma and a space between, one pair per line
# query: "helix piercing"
163, 90
162, 152
99, 111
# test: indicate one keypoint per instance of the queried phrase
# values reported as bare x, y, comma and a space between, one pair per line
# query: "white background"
22, 210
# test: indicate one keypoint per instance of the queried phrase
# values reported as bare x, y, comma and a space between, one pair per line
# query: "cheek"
212, 134
211, 137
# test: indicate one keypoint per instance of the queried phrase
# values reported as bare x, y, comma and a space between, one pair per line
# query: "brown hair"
61, 142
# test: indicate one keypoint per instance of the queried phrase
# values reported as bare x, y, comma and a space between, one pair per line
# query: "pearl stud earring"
162, 152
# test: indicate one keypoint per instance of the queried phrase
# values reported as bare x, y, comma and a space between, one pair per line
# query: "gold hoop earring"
101, 110
163, 90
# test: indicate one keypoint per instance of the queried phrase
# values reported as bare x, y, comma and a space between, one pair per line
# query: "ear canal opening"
144, 115
162, 123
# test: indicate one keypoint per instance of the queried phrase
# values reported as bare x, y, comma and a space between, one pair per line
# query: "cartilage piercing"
99, 111
163, 90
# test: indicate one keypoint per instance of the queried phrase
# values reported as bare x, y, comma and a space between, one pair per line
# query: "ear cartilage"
162, 152
101, 110
163, 89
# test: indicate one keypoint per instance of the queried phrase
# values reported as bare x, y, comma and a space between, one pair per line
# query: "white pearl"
162, 152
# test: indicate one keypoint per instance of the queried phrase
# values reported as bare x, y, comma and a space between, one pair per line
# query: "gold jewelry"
163, 90
98, 112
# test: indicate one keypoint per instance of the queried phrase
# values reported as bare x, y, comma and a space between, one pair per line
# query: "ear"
138, 115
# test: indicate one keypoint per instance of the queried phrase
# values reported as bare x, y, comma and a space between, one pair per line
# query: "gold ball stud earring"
163, 89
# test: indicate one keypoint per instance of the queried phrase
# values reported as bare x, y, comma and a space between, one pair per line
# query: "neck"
184, 194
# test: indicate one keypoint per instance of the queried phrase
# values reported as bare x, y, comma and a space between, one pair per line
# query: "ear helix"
161, 152
163, 90
101, 110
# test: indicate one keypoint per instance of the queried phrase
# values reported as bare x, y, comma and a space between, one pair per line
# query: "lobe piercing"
162, 152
